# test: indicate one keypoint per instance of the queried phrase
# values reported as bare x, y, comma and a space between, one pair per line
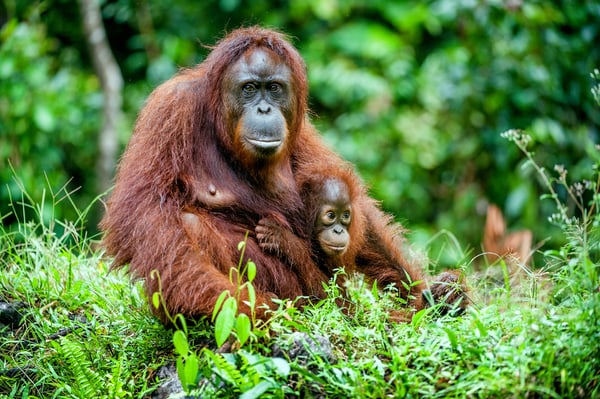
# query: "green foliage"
89, 383
43, 135
84, 332
186, 362
239, 330
246, 375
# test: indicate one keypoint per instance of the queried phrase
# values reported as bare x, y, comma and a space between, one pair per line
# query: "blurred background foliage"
414, 93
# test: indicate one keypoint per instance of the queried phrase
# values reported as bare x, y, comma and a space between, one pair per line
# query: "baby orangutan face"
334, 217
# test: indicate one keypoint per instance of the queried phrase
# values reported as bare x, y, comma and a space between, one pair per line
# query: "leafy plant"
209, 373
187, 361
249, 375
225, 316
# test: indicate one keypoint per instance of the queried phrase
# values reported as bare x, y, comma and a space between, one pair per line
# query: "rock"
301, 347
10, 313
171, 386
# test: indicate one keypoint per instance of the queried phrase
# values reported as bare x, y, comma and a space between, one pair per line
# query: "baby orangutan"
333, 224
338, 229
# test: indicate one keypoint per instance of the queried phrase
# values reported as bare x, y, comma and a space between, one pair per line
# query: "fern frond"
89, 383
226, 368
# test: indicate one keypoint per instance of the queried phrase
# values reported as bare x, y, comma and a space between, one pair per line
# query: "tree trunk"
111, 82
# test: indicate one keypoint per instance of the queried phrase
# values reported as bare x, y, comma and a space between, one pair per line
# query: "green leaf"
190, 371
156, 300
375, 291
243, 328
251, 296
180, 365
367, 40
281, 366
480, 327
181, 343
418, 317
241, 245
179, 320
225, 321
43, 118
218, 303
251, 270
257, 390
7, 67
451, 337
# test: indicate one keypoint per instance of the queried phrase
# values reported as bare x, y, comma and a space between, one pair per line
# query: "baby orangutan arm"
278, 240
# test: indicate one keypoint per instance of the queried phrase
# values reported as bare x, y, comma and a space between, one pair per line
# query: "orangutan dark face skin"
334, 217
258, 98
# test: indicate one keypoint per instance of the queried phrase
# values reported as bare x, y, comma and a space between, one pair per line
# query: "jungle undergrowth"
76, 315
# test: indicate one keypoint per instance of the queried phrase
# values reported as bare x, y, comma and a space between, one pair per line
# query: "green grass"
85, 332
88, 332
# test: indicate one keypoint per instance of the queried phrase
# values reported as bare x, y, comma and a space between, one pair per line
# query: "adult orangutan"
215, 150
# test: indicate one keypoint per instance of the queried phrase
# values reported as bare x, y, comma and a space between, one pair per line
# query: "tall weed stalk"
577, 215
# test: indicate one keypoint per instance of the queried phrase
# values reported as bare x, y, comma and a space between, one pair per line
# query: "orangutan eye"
346, 216
274, 87
249, 88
